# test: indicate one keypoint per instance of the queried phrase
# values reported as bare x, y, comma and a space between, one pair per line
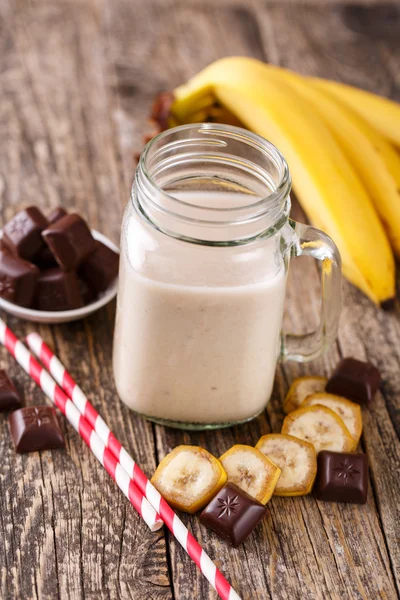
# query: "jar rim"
149, 197
257, 141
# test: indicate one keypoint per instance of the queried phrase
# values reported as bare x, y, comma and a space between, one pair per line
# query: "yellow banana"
388, 153
363, 147
325, 182
380, 112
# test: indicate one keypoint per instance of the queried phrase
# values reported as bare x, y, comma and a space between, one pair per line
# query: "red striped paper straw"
174, 524
81, 425
73, 391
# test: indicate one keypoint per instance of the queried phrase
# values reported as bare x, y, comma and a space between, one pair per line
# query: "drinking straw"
174, 524
81, 425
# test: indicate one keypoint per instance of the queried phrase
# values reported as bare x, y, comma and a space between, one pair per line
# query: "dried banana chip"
296, 458
300, 389
189, 477
348, 411
321, 427
251, 470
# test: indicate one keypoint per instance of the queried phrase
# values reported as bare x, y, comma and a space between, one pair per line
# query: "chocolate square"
57, 214
342, 477
22, 234
58, 290
356, 380
5, 248
233, 514
70, 241
88, 293
35, 428
100, 268
9, 398
18, 279
44, 259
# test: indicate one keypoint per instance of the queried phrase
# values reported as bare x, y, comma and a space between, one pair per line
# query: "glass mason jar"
205, 249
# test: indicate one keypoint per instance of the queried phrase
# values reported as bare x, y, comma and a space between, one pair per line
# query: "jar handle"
309, 241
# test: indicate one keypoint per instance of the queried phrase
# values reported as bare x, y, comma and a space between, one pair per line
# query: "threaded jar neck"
212, 184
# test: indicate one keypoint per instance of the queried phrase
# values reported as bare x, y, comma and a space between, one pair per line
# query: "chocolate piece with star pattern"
22, 234
35, 428
233, 514
342, 477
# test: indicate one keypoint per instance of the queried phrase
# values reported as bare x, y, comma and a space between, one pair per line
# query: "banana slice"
296, 458
320, 426
251, 470
189, 477
300, 389
348, 411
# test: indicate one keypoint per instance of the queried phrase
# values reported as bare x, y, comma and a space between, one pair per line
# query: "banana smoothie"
205, 248
198, 353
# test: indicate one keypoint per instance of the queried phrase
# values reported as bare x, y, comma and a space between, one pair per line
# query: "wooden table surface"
76, 80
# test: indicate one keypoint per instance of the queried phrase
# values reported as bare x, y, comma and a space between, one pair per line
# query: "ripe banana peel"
327, 185
364, 147
381, 113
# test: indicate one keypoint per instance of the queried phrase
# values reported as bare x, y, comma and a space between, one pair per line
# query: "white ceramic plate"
65, 316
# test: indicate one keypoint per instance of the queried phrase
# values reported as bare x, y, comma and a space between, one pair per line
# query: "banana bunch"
339, 143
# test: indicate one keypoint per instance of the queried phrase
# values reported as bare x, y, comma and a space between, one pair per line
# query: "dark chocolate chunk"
44, 259
88, 293
9, 398
57, 214
35, 428
70, 241
22, 234
161, 110
18, 279
389, 305
100, 268
342, 477
355, 380
233, 514
5, 248
58, 290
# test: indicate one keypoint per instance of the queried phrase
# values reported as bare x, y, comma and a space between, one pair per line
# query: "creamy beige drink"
201, 353
205, 247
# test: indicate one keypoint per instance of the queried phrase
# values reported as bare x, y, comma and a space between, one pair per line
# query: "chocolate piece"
18, 279
233, 514
35, 428
389, 305
44, 259
161, 110
342, 477
356, 380
87, 292
100, 268
9, 398
58, 290
57, 214
22, 234
5, 248
70, 241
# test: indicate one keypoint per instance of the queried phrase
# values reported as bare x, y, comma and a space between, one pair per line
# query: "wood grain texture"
76, 81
